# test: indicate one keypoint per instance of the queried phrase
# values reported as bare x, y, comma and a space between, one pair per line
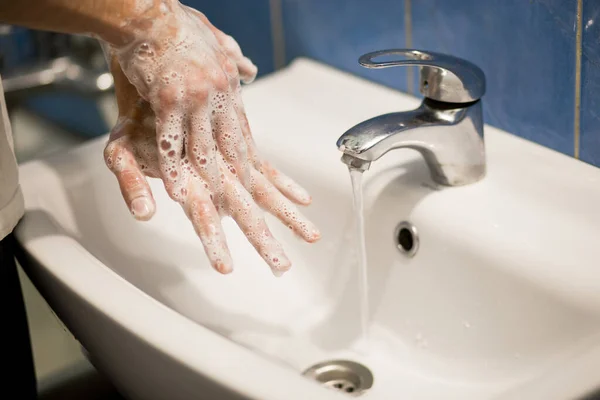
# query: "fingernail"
316, 234
141, 208
311, 234
303, 196
279, 264
224, 268
296, 192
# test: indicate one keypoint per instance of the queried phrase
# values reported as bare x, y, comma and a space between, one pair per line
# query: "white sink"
501, 300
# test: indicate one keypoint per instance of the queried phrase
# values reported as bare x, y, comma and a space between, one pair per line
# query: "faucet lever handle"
443, 77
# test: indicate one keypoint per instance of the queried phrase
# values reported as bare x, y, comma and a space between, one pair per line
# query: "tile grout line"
578, 55
408, 38
277, 33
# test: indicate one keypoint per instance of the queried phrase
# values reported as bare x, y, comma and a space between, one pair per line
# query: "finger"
248, 70
230, 140
270, 199
285, 184
245, 125
246, 67
202, 148
169, 135
249, 218
207, 224
145, 151
135, 189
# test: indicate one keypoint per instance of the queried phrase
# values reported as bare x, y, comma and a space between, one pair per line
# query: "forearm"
113, 21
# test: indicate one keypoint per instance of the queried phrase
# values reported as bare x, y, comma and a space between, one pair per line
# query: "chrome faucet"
447, 128
81, 69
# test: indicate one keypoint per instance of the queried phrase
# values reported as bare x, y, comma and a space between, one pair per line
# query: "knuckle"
261, 196
168, 95
171, 190
230, 68
202, 211
199, 91
132, 181
221, 80
109, 155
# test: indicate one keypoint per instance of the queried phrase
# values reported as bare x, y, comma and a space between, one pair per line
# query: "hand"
184, 122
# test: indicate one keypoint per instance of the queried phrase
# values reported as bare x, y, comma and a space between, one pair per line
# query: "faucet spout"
449, 136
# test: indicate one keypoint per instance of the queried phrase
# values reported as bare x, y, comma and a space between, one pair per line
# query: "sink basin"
501, 299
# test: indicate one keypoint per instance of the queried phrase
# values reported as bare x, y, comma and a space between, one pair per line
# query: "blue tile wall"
70, 111
16, 48
527, 51
249, 22
590, 78
337, 32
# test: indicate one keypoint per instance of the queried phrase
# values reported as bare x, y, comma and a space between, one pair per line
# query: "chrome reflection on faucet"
447, 128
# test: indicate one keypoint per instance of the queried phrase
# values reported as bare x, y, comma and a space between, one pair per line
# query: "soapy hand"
182, 120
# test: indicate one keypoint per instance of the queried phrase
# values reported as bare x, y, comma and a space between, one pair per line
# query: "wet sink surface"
501, 299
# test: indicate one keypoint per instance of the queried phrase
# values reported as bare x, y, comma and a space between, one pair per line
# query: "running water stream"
356, 178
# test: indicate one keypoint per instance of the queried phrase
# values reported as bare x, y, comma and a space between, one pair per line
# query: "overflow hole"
406, 238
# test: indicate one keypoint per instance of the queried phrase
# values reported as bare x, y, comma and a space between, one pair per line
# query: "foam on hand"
194, 135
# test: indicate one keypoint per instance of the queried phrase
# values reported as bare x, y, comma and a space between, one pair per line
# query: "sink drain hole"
407, 238
342, 375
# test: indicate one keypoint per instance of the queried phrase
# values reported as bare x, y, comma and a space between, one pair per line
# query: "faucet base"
459, 175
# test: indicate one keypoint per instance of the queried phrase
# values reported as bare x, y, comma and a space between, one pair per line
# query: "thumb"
136, 192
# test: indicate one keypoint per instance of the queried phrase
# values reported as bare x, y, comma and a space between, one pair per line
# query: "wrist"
138, 22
